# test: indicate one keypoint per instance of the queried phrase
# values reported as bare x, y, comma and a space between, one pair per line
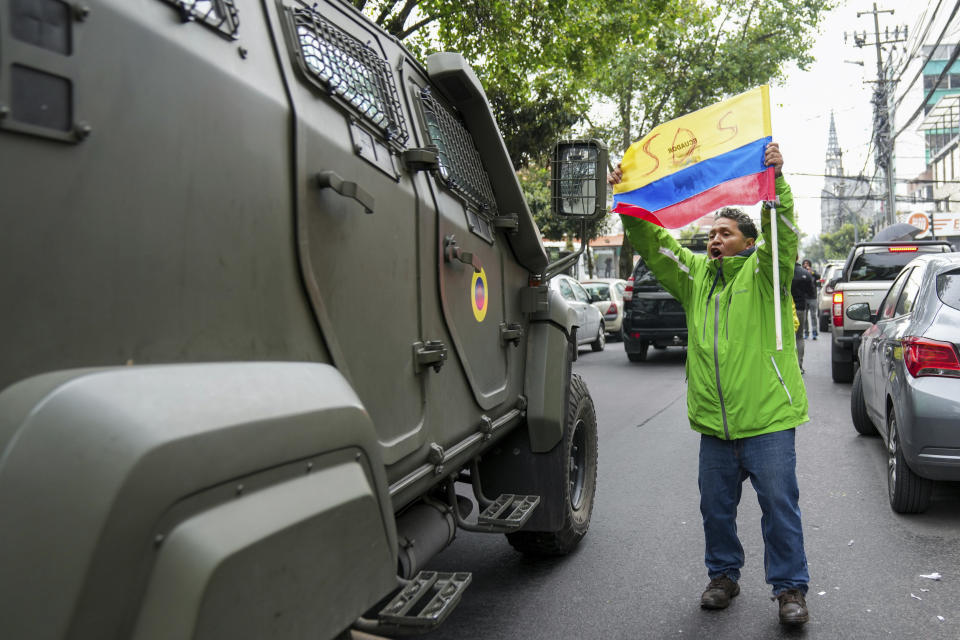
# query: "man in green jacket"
744, 396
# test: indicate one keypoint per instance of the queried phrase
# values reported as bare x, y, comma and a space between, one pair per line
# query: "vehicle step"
425, 601
507, 513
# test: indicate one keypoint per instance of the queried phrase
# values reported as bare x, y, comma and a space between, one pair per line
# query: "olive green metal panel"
362, 269
548, 372
108, 463
239, 570
453, 75
165, 234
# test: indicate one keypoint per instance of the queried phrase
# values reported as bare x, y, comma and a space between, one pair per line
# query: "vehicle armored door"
470, 250
357, 215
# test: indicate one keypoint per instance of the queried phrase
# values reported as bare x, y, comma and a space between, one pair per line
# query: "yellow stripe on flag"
697, 136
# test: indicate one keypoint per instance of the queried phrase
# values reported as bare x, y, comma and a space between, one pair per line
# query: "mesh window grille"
460, 165
221, 15
346, 67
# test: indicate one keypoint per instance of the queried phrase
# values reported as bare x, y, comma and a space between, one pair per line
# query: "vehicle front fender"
551, 348
182, 501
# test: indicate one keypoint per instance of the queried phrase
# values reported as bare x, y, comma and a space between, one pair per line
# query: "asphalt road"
639, 572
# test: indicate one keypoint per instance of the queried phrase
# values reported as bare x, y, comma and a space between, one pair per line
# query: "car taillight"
612, 308
902, 249
628, 292
926, 357
838, 309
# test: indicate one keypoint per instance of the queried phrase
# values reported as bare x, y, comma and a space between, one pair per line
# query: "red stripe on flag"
746, 190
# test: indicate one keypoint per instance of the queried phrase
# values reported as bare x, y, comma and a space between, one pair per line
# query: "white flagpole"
777, 312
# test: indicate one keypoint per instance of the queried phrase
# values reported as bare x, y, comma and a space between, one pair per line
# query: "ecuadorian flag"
699, 162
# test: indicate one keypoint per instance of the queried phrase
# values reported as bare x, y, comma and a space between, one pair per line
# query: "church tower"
833, 184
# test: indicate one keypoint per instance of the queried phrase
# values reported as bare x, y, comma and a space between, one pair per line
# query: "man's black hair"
806, 261
744, 223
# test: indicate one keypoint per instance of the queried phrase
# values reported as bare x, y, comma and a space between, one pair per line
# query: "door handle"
452, 251
330, 180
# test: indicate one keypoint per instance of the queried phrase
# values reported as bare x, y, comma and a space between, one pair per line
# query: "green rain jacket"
739, 385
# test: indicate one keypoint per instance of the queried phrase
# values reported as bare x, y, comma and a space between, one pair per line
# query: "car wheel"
659, 347
579, 480
909, 493
824, 324
639, 355
601, 341
858, 408
841, 371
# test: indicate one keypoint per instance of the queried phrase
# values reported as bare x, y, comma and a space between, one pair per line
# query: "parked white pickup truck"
870, 269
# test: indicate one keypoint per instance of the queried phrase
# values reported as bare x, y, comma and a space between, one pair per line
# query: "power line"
953, 58
919, 43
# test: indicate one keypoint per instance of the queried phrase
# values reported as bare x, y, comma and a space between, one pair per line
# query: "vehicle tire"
841, 371
659, 347
824, 324
641, 355
601, 341
858, 408
909, 493
579, 480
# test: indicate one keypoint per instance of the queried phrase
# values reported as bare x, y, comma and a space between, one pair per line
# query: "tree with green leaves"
697, 53
837, 245
543, 62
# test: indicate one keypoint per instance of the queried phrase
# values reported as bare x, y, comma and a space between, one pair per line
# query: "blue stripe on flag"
696, 179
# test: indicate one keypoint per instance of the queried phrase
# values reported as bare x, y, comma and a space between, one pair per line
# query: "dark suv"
651, 316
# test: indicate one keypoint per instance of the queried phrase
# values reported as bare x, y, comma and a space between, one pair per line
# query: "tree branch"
385, 11
419, 25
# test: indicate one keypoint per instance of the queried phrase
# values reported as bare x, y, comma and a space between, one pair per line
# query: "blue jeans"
812, 321
769, 461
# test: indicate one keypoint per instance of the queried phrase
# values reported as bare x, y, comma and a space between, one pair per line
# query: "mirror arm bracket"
565, 262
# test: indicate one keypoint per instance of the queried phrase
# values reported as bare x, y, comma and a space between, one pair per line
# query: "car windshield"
643, 276
948, 288
879, 266
597, 291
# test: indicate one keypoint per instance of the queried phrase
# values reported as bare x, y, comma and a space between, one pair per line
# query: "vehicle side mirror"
861, 311
831, 284
578, 179
594, 296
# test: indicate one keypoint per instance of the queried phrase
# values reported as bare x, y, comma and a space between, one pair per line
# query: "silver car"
908, 385
831, 270
606, 294
589, 319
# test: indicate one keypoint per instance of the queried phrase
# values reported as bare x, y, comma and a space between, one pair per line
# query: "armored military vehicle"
275, 325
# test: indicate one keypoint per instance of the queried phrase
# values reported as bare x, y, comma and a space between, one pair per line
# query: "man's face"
807, 266
726, 239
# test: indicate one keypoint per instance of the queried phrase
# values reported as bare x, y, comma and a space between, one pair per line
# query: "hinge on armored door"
432, 353
511, 332
427, 158
508, 222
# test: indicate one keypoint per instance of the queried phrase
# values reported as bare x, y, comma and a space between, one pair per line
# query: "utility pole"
882, 102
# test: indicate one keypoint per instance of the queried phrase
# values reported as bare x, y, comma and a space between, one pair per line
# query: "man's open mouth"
715, 252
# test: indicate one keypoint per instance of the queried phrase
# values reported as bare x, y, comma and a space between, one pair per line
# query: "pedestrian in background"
744, 396
803, 289
812, 306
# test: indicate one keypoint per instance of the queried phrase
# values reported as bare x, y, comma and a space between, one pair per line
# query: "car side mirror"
594, 297
578, 179
861, 311
831, 284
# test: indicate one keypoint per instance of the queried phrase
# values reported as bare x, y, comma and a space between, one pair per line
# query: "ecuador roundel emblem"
479, 295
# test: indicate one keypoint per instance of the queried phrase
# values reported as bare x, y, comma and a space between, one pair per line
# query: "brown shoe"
793, 607
718, 593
